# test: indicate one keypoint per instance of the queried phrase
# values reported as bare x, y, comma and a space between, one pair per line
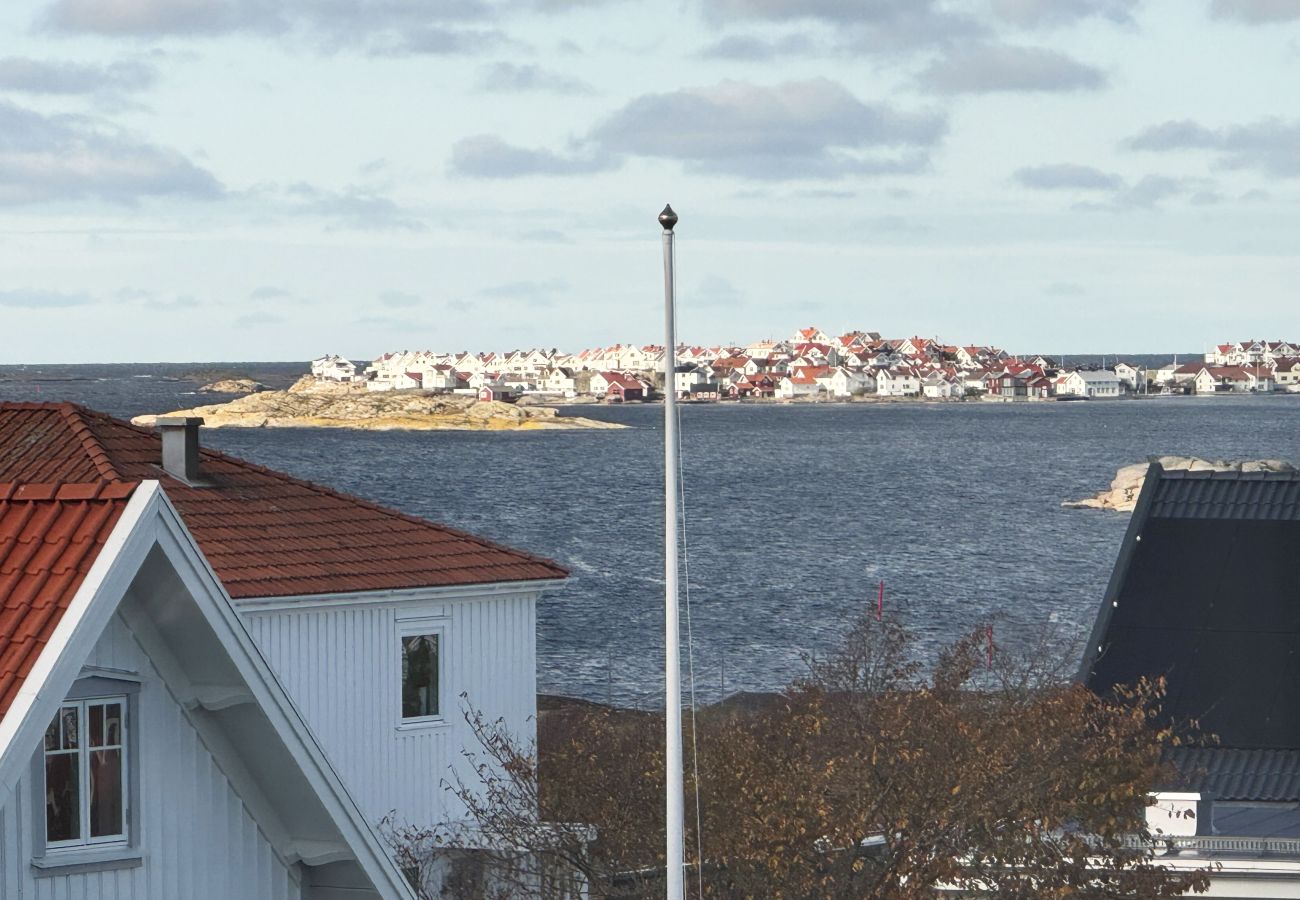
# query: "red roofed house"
373, 621
147, 750
616, 387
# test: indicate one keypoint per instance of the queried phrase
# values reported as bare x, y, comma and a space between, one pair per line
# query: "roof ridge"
73, 415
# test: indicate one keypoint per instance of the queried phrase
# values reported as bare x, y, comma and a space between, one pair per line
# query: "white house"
383, 628
798, 385
842, 382
1128, 375
1093, 385
897, 382
146, 748
336, 368
939, 386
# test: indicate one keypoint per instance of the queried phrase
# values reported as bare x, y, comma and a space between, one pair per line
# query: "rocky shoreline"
309, 404
1123, 492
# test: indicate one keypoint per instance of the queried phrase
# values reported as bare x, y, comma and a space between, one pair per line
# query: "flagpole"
674, 789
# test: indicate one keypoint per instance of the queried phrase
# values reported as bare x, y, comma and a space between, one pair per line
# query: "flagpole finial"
668, 218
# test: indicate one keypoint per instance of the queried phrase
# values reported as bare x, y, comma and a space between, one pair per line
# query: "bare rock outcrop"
233, 386
311, 405
1123, 492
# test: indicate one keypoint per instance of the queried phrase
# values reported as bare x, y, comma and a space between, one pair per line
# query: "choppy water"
793, 512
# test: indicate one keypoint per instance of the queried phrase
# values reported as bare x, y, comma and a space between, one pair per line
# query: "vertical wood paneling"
199, 841
342, 669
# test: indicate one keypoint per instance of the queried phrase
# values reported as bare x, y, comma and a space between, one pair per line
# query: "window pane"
52, 734
419, 676
62, 802
96, 727
70, 727
113, 724
105, 793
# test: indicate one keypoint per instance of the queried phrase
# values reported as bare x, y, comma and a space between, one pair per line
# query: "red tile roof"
50, 535
265, 533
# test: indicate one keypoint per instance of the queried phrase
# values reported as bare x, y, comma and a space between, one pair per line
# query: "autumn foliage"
870, 777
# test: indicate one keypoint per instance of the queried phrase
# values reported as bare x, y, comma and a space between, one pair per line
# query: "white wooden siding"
198, 840
341, 665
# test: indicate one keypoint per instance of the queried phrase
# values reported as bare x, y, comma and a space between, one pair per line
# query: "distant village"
813, 365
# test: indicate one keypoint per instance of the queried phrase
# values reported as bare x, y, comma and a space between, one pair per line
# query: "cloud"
1256, 12
865, 25
505, 77
390, 323
748, 48
714, 290
352, 207
36, 76
258, 318
1069, 177
436, 40
268, 292
989, 68
33, 298
1146, 193
398, 299
73, 157
488, 156
386, 27
528, 293
1268, 146
1034, 13
1149, 191
798, 129
184, 301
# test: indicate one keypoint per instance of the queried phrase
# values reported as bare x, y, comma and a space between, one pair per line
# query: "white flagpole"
675, 789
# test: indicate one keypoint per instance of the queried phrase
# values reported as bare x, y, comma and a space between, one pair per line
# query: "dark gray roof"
1232, 774
1227, 495
1206, 592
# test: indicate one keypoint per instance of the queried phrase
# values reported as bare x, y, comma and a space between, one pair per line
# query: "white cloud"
73, 157
1269, 146
992, 68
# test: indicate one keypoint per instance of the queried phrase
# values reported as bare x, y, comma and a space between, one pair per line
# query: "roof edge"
1128, 547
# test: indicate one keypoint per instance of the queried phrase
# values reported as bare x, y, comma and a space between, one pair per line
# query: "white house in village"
798, 385
939, 386
842, 382
147, 750
336, 368
1231, 379
1102, 385
1129, 375
384, 630
897, 382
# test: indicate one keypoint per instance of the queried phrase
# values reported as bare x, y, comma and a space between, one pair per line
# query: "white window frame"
418, 628
84, 749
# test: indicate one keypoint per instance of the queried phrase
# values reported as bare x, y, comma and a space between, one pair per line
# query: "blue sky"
276, 179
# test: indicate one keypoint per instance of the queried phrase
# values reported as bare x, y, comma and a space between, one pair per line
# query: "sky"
186, 180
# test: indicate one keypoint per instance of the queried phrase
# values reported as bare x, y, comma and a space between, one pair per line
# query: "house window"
420, 675
86, 774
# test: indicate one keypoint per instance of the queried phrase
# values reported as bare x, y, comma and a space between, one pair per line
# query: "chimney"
180, 446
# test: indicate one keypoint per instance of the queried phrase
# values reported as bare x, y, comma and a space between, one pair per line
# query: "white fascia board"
402, 597
203, 584
83, 622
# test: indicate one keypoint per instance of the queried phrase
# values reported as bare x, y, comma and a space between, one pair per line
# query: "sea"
794, 514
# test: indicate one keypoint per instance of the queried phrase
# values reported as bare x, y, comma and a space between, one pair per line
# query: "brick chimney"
180, 446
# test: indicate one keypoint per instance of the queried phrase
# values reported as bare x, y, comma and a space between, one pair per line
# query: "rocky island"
310, 404
233, 386
1123, 492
